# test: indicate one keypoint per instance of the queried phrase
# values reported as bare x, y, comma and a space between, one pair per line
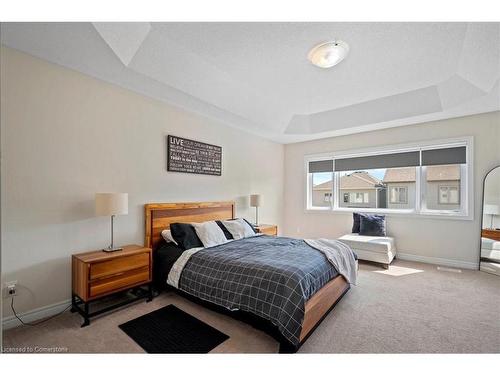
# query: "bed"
271, 259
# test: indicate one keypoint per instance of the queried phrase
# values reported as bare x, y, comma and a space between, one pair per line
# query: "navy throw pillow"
185, 236
372, 225
355, 222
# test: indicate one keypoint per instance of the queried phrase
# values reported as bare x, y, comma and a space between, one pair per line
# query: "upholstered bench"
490, 249
381, 250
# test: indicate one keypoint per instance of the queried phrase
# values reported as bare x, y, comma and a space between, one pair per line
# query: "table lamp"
111, 204
255, 201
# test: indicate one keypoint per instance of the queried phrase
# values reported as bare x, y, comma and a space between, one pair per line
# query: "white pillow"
209, 233
167, 236
239, 228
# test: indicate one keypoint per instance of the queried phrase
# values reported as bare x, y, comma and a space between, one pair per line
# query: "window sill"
392, 213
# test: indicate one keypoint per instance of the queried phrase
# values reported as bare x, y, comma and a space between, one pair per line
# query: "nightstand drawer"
119, 281
118, 265
270, 230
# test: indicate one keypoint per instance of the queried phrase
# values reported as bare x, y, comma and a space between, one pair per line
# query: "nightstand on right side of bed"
269, 229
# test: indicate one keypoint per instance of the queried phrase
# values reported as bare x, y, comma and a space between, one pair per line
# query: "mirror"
490, 227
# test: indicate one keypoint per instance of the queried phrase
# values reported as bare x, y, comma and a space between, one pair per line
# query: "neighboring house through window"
398, 195
401, 185
322, 194
443, 187
359, 198
449, 195
358, 189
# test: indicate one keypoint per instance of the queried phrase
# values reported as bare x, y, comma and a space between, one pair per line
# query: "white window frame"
466, 211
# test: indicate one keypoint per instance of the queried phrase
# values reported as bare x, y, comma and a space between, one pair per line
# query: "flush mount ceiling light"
326, 55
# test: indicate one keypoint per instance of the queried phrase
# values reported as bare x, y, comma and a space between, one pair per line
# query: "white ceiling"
255, 76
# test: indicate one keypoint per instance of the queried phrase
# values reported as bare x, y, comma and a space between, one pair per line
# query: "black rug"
171, 330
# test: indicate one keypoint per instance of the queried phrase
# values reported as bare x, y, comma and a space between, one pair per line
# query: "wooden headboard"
159, 216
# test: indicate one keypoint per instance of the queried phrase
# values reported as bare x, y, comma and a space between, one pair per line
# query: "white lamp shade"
255, 200
491, 209
107, 204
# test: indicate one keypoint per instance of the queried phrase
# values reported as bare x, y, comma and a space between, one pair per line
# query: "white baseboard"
35, 314
438, 261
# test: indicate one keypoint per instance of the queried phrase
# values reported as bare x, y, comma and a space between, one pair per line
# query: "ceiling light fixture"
326, 55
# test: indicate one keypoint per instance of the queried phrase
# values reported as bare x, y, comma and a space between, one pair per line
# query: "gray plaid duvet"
254, 275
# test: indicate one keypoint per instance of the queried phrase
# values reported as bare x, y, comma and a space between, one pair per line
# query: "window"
377, 188
398, 195
431, 179
444, 175
320, 178
449, 195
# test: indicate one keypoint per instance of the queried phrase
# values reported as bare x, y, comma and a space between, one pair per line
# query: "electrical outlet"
10, 289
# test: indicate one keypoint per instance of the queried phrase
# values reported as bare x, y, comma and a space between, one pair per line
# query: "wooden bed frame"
160, 215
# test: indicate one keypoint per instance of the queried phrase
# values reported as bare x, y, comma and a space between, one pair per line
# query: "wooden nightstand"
98, 274
269, 229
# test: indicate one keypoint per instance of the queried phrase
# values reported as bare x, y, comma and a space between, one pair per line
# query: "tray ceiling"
256, 76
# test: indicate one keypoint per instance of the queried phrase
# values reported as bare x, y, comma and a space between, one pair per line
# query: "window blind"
402, 159
440, 156
321, 166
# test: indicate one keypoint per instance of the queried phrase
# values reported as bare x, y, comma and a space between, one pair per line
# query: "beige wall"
456, 240
66, 136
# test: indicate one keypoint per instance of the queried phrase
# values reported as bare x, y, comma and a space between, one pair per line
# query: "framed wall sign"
188, 156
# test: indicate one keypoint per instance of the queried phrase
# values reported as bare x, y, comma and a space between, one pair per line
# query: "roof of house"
407, 174
355, 180
358, 180
324, 186
434, 173
443, 173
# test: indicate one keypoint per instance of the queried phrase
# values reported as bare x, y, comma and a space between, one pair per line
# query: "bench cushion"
369, 243
487, 243
490, 249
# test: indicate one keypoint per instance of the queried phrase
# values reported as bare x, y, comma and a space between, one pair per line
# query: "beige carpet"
410, 308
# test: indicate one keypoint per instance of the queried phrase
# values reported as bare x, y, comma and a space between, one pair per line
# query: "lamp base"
111, 249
